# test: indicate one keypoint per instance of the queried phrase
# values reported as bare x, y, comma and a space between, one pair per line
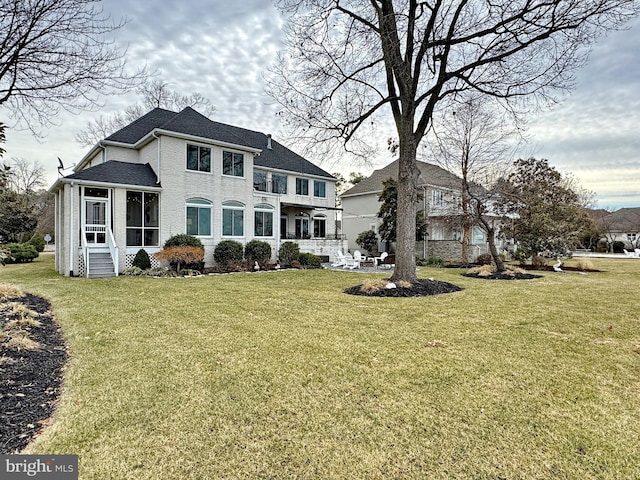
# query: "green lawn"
280, 375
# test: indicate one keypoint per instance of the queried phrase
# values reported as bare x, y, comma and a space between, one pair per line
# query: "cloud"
222, 49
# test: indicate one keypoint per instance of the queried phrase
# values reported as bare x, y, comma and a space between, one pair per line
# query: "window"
436, 197
263, 220
478, 236
278, 183
96, 192
319, 189
260, 180
320, 227
233, 219
198, 158
233, 164
143, 219
302, 186
198, 217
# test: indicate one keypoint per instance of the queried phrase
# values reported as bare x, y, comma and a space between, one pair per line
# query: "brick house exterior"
169, 173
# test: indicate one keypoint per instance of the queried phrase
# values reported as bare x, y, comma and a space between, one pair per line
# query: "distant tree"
356, 177
474, 143
55, 54
18, 216
548, 216
367, 240
26, 176
4, 169
388, 213
155, 94
388, 210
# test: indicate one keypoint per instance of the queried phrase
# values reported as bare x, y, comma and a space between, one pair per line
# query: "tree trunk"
491, 238
466, 226
405, 268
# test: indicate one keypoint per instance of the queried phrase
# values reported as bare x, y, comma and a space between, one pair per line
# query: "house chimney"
269, 141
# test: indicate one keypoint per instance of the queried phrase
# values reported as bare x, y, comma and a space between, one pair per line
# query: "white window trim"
210, 172
244, 165
233, 205
264, 208
208, 206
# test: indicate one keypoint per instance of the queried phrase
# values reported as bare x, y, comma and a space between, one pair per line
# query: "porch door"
95, 224
302, 227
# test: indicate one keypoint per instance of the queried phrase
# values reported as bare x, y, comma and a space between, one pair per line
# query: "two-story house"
169, 173
440, 204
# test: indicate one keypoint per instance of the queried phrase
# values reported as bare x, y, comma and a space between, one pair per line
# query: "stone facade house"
440, 204
170, 173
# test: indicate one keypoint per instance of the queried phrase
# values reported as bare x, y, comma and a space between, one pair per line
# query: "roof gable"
428, 174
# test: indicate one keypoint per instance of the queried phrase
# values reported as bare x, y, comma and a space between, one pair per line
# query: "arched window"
198, 217
263, 220
232, 219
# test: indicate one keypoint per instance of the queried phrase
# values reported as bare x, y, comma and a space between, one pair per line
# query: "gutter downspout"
157, 137
71, 235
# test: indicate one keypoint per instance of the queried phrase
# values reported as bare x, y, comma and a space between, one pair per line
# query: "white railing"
85, 253
110, 241
113, 250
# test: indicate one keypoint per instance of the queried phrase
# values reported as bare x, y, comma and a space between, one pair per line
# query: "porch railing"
109, 239
113, 250
85, 252
306, 236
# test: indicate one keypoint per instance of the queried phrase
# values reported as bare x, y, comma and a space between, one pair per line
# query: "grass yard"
280, 375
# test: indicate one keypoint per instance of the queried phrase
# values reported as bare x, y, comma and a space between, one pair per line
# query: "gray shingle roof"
622, 220
190, 122
429, 174
121, 173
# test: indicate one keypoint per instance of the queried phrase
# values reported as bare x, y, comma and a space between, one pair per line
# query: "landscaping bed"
30, 377
419, 288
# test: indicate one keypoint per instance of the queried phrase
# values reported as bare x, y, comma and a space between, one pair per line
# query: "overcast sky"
221, 49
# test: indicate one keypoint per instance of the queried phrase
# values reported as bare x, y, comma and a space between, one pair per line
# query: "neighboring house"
169, 173
623, 225
441, 200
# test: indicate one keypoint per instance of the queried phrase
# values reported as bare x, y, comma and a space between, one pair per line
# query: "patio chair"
349, 261
379, 260
340, 259
357, 258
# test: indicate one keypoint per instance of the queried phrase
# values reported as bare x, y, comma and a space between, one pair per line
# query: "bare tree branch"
56, 54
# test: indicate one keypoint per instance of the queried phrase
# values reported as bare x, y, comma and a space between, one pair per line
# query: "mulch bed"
503, 276
30, 380
549, 268
419, 288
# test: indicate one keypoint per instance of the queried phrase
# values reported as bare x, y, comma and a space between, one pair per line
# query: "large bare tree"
350, 62
57, 54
